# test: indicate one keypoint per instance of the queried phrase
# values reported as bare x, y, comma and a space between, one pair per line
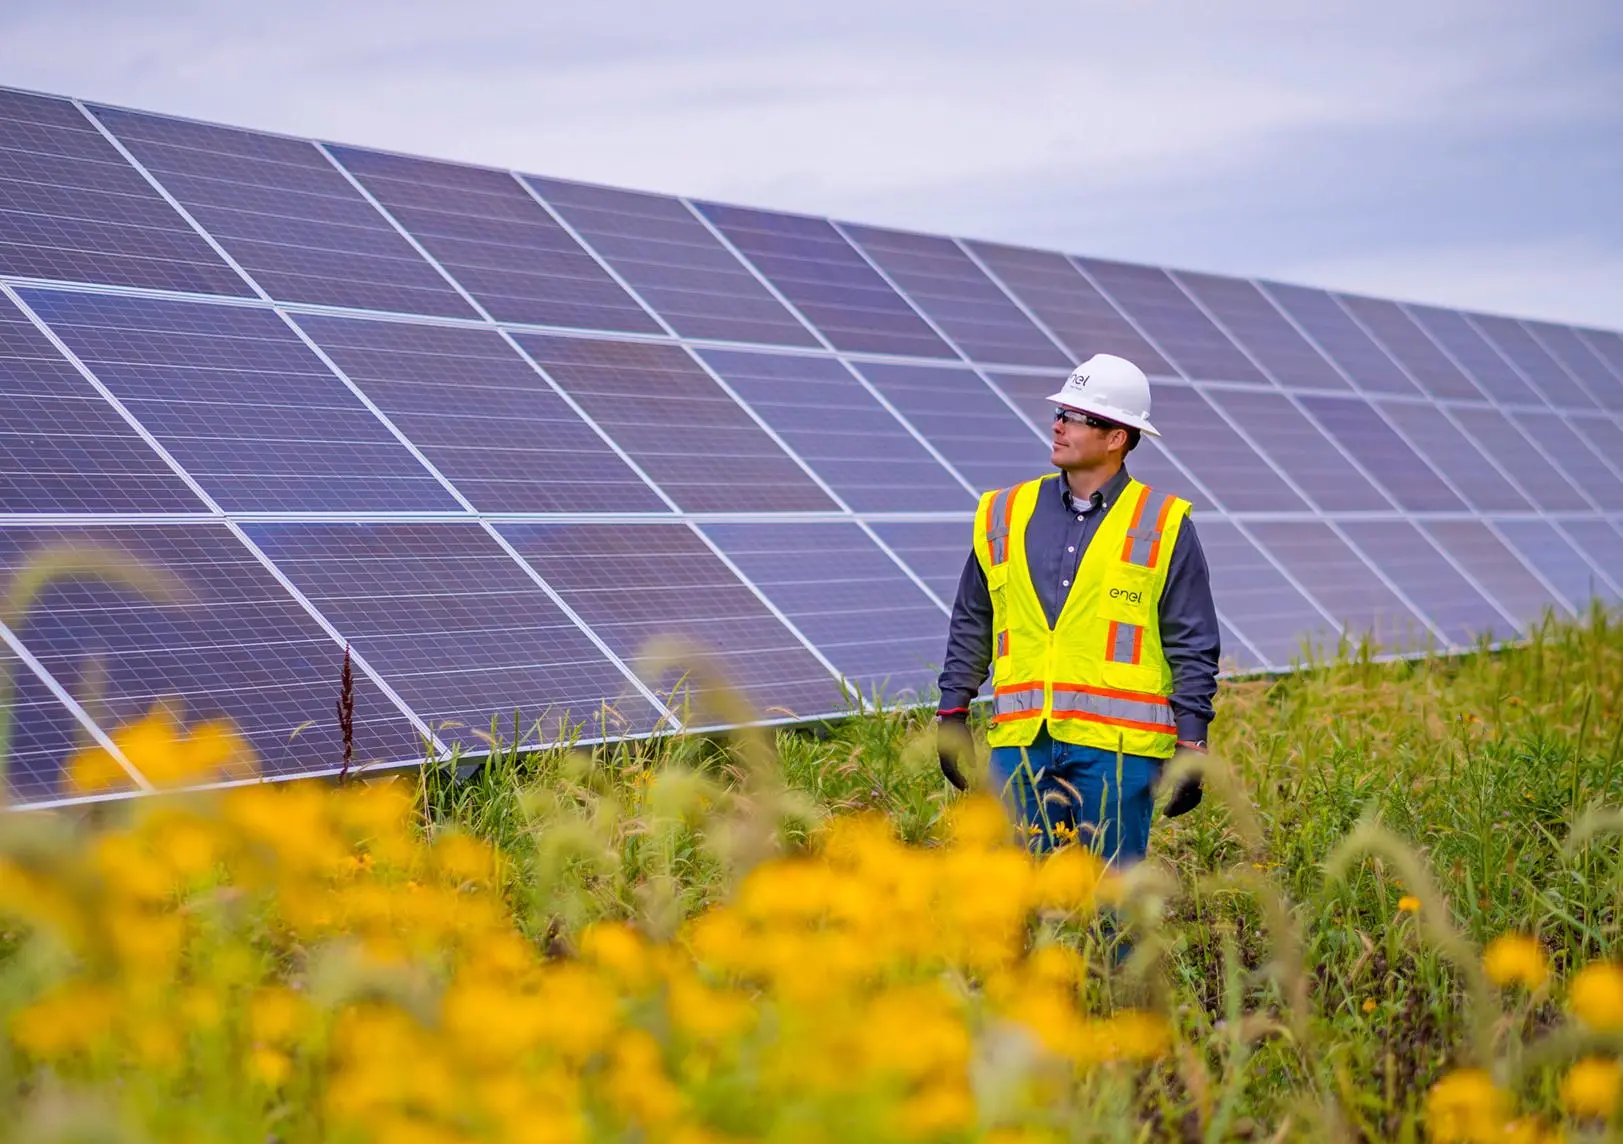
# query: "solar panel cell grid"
1604, 435
1149, 462
1493, 374
1083, 319
1556, 559
1412, 483
1344, 340
1455, 455
483, 417
251, 413
1410, 346
633, 584
286, 215
1608, 346
1258, 325
1344, 584
1517, 456
1598, 384
1575, 458
964, 419
72, 208
841, 430
42, 735
458, 629
222, 639
825, 278
1496, 568
935, 550
1165, 313
1293, 443
63, 448
848, 597
1275, 617
1603, 544
1543, 372
501, 245
1427, 577
659, 405
950, 289
678, 267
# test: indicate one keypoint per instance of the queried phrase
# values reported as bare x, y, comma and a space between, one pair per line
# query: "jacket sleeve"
1189, 634
969, 640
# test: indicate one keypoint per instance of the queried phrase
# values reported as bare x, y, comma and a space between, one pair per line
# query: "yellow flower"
1514, 959
1466, 1107
1369, 1005
1597, 996
1590, 1087
72, 1018
1068, 879
270, 1067
277, 1015
1409, 904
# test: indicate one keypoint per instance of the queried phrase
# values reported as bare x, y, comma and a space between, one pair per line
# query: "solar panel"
252, 414
1296, 447
848, 597
1262, 328
458, 629
935, 550
1411, 483
659, 405
500, 245
483, 416
825, 278
1343, 584
1165, 313
1490, 369
221, 639
282, 211
637, 583
837, 426
1409, 345
675, 263
72, 209
1051, 287
1274, 615
1461, 612
1455, 455
1519, 593
964, 419
499, 432
1347, 343
982, 321
63, 447
1543, 372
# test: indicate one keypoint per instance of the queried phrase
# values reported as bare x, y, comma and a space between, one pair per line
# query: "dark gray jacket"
1059, 533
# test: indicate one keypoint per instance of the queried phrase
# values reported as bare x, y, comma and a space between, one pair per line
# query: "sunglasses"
1074, 417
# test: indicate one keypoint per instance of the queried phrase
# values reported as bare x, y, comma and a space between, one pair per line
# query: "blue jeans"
1105, 797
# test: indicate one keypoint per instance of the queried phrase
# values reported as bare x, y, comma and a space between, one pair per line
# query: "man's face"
1078, 445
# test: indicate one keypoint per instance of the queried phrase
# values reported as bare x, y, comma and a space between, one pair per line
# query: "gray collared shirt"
1058, 534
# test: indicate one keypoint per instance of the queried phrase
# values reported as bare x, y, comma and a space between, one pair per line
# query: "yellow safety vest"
1099, 676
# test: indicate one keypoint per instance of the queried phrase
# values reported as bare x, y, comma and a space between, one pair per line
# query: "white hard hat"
1110, 387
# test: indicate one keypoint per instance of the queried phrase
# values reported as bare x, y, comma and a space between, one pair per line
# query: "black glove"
1186, 795
953, 746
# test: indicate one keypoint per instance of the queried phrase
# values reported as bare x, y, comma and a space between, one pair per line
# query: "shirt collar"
1103, 498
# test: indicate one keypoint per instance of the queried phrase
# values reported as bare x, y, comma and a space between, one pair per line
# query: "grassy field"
807, 936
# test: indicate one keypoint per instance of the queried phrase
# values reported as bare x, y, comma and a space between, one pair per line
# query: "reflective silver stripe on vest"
1141, 540
1121, 648
997, 526
1028, 700
1158, 715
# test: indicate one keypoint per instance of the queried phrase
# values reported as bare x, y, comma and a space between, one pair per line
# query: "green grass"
1266, 920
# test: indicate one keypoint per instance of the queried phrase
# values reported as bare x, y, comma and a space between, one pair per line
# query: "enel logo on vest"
1129, 595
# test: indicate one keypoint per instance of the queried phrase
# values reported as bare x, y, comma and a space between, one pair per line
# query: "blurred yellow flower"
1368, 1005
1596, 996
72, 1018
1465, 1106
1515, 959
1590, 1087
1409, 904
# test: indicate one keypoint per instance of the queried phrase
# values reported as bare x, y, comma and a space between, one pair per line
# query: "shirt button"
1064, 583
1078, 516
1072, 548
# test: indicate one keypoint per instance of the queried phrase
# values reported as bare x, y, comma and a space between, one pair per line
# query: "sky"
1461, 152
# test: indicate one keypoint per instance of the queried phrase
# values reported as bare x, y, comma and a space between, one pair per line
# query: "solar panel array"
495, 431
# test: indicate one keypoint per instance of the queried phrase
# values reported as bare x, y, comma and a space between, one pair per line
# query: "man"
1089, 596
